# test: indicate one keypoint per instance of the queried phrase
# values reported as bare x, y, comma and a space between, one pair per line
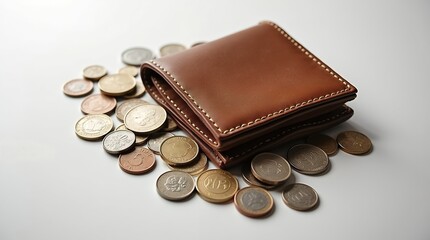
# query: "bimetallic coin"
156, 139
130, 70
125, 106
170, 124
118, 142
300, 196
138, 91
179, 150
249, 178
93, 127
270, 168
170, 49
216, 185
141, 160
78, 87
194, 169
136, 56
354, 142
98, 104
140, 139
94, 72
145, 119
308, 159
326, 143
253, 201
175, 185
117, 84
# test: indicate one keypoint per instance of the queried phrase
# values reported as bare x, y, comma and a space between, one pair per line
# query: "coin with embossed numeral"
139, 161
253, 201
119, 141
308, 159
93, 127
270, 168
300, 196
145, 119
175, 185
354, 142
216, 185
179, 150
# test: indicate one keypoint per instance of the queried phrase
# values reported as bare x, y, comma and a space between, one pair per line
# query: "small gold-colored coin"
308, 159
270, 168
130, 70
156, 139
253, 201
170, 124
179, 150
94, 72
170, 49
326, 143
78, 87
118, 142
140, 139
126, 105
98, 104
175, 185
117, 84
93, 127
216, 185
145, 119
138, 91
194, 169
354, 142
300, 196
249, 178
141, 160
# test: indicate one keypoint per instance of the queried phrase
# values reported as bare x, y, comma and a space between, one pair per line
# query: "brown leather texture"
239, 90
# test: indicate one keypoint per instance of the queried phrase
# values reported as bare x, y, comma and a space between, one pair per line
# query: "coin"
194, 169
130, 70
141, 160
270, 168
300, 196
93, 127
77, 87
144, 119
138, 91
253, 201
94, 72
175, 185
326, 143
136, 56
308, 159
249, 178
98, 104
179, 150
125, 106
140, 139
354, 142
216, 185
156, 139
117, 84
171, 48
170, 124
118, 142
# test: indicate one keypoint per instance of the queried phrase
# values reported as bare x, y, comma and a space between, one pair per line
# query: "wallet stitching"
297, 105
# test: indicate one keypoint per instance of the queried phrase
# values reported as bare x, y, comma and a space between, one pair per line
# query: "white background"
54, 185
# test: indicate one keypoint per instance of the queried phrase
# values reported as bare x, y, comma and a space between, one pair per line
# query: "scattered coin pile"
145, 123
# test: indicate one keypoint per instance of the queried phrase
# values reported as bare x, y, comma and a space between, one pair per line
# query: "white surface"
55, 186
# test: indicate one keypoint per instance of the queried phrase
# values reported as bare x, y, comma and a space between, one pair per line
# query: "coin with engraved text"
216, 185
300, 196
175, 185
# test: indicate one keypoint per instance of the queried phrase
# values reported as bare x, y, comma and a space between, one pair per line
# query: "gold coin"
326, 143
98, 104
270, 168
138, 91
117, 84
354, 142
130, 70
94, 72
93, 127
253, 201
300, 196
170, 49
308, 159
140, 139
216, 185
179, 150
194, 169
125, 106
145, 119
78, 87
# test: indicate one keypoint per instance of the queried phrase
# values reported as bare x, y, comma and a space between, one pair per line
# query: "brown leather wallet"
247, 92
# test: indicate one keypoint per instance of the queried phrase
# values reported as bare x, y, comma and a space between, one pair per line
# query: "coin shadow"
281, 187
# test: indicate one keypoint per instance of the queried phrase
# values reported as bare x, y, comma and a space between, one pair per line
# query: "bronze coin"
354, 142
253, 201
141, 160
78, 87
300, 196
179, 150
98, 104
175, 185
270, 168
326, 143
308, 159
249, 178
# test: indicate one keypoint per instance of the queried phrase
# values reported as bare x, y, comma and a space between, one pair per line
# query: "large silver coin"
175, 185
119, 141
136, 56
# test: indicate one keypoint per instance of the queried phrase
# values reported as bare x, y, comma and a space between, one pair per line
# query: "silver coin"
136, 56
156, 139
119, 141
175, 185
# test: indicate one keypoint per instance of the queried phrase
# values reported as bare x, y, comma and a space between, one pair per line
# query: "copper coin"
175, 185
141, 160
216, 185
179, 150
94, 72
253, 201
126, 105
78, 87
156, 139
140, 139
249, 178
98, 104
117, 84
300, 196
308, 159
270, 168
354, 142
326, 143
119, 141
